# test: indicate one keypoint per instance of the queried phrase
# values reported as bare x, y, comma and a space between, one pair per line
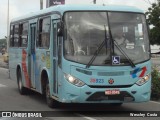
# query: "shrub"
155, 94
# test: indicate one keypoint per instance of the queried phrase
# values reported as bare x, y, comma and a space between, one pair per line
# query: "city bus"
71, 54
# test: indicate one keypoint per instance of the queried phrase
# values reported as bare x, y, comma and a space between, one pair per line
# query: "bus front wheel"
50, 102
21, 88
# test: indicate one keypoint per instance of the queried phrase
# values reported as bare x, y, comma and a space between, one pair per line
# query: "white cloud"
16, 8
3, 20
138, 3
21, 7
143, 4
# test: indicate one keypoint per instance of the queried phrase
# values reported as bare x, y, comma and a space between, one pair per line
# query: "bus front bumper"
86, 94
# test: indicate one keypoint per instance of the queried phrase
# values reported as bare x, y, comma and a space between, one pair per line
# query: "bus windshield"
86, 31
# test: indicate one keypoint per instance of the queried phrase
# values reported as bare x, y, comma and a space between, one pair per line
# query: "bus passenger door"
55, 58
32, 55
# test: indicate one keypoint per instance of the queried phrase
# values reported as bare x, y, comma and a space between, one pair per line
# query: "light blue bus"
82, 54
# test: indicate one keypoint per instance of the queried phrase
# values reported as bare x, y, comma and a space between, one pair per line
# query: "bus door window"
60, 32
32, 57
44, 33
60, 53
33, 37
55, 82
54, 40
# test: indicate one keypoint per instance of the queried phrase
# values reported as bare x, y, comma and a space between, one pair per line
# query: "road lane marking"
86, 117
155, 102
1, 85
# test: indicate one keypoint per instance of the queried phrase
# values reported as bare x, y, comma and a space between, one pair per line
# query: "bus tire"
50, 102
21, 88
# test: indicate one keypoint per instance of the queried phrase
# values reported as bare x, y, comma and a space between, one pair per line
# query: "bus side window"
54, 39
11, 36
44, 33
20, 35
16, 35
24, 36
40, 33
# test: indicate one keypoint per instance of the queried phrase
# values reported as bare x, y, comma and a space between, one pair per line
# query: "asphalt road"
11, 100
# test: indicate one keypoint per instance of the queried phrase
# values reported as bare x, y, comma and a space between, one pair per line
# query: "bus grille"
100, 96
111, 73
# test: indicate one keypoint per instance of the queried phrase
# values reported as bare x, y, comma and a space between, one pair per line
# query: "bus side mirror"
60, 28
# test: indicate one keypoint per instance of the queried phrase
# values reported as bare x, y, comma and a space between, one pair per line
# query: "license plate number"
112, 92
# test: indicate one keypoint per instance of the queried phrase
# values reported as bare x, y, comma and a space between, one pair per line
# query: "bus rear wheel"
21, 88
50, 102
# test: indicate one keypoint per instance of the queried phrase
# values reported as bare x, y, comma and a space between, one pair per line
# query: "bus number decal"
93, 80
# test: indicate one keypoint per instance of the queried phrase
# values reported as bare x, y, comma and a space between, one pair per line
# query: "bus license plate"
112, 92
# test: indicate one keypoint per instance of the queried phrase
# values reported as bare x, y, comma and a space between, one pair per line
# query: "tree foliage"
3, 42
153, 18
155, 83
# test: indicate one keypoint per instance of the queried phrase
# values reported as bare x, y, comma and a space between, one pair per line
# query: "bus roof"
63, 8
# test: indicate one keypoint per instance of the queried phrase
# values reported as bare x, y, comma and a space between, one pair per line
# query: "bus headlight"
143, 80
74, 80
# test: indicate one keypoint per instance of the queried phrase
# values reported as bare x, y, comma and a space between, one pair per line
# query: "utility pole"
41, 4
8, 27
94, 1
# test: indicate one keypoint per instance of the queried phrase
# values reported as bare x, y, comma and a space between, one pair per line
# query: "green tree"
3, 42
155, 84
153, 18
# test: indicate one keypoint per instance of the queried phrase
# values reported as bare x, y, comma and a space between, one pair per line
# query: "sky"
22, 7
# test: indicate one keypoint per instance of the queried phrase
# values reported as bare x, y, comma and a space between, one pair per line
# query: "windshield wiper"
121, 50
101, 46
99, 49
113, 42
95, 54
